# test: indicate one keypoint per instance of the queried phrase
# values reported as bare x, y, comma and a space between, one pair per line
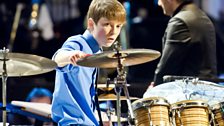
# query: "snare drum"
218, 113
151, 111
190, 113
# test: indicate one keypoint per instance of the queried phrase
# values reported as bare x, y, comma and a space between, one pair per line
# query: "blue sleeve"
72, 43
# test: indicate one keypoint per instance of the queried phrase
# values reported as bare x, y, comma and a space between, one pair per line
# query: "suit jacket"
189, 45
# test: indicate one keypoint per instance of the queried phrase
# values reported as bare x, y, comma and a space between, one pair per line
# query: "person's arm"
175, 50
65, 57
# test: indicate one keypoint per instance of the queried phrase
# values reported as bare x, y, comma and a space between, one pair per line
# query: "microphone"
169, 78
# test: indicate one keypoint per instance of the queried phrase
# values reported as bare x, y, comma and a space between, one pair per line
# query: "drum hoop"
147, 102
217, 106
189, 103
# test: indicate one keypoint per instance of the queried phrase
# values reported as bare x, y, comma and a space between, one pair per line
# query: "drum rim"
217, 106
190, 103
150, 101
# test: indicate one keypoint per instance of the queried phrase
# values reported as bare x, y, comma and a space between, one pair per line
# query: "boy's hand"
64, 57
76, 55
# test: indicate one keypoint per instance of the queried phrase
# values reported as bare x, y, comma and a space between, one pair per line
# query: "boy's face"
106, 31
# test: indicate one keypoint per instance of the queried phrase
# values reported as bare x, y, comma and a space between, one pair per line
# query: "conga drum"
152, 111
218, 113
190, 113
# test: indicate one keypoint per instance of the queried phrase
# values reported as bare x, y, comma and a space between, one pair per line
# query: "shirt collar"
91, 41
180, 7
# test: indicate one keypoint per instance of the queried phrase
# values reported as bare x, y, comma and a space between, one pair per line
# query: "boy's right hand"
63, 57
76, 55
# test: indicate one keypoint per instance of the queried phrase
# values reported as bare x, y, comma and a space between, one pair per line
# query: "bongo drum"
218, 114
190, 113
153, 111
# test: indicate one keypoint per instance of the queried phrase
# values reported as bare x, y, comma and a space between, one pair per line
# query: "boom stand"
120, 82
4, 79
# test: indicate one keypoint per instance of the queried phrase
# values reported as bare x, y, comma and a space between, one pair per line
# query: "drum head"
180, 90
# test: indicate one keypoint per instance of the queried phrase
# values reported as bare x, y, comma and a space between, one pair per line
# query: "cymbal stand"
4, 52
109, 113
120, 81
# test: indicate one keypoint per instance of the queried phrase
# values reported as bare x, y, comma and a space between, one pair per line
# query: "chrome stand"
120, 82
109, 111
4, 52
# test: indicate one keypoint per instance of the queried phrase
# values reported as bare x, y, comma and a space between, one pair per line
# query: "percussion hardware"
25, 65
113, 97
170, 78
118, 104
179, 117
121, 80
109, 113
191, 112
107, 83
217, 114
180, 90
4, 80
107, 87
179, 113
145, 105
153, 111
117, 46
212, 119
119, 59
149, 116
222, 109
128, 57
172, 116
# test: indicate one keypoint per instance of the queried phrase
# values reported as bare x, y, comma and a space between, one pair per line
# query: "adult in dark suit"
189, 43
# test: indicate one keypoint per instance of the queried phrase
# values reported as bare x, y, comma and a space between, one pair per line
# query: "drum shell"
218, 112
190, 113
153, 110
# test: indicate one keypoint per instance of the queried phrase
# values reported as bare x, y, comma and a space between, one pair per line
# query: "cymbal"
20, 64
105, 85
113, 97
110, 87
129, 57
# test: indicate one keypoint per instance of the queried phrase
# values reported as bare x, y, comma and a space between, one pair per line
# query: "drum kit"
175, 103
119, 59
18, 65
189, 102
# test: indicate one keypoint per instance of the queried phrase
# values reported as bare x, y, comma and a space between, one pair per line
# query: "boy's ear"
90, 24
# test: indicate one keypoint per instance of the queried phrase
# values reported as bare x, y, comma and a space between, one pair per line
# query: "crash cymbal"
102, 86
20, 64
105, 88
113, 97
129, 57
